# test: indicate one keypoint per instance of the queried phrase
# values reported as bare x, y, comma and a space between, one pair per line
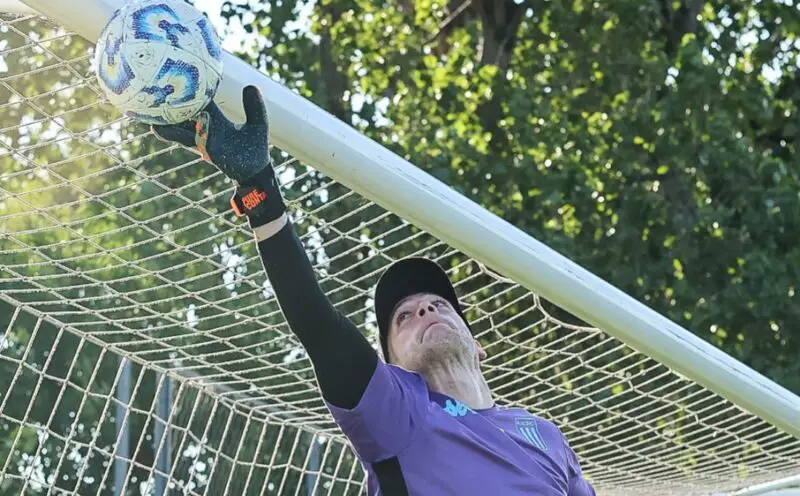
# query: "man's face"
425, 329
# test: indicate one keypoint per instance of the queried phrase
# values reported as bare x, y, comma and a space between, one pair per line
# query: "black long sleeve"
342, 357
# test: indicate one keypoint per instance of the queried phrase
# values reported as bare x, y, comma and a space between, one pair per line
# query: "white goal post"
756, 407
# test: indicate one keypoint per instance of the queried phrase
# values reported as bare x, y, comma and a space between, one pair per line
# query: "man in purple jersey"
422, 422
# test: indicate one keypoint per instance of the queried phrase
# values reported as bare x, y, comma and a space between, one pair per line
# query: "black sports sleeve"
342, 357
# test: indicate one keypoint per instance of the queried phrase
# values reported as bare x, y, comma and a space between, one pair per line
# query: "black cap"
405, 278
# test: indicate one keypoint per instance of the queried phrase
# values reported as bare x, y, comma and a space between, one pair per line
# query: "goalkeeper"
423, 422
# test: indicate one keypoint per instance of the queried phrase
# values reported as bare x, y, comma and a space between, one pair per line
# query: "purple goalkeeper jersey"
414, 441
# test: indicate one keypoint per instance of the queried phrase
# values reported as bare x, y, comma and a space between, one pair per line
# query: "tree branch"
334, 80
445, 25
500, 21
408, 7
676, 24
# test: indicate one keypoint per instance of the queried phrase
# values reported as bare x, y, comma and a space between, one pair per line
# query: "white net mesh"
118, 249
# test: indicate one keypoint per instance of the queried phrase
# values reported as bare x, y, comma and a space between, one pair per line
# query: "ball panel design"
148, 118
180, 84
210, 39
114, 69
182, 113
158, 22
177, 80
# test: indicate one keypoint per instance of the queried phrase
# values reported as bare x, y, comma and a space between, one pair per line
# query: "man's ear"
481, 352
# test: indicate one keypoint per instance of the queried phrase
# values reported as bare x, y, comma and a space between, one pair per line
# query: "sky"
233, 38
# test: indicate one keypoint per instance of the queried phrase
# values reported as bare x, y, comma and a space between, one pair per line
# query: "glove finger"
254, 109
215, 113
201, 129
182, 133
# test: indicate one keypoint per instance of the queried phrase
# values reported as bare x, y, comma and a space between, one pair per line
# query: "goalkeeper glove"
241, 153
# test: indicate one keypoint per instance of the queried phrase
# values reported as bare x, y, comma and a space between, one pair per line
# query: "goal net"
143, 352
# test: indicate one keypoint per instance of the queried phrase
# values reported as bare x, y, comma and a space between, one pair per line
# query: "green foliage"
654, 143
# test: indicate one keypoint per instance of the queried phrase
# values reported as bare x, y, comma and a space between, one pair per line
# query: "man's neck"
461, 382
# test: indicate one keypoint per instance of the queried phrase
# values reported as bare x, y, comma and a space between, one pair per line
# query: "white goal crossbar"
390, 181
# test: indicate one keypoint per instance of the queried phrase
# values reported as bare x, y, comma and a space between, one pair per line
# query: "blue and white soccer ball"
159, 61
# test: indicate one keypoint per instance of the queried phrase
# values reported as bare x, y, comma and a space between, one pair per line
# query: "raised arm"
343, 359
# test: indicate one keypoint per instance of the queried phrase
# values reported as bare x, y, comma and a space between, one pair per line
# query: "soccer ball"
159, 61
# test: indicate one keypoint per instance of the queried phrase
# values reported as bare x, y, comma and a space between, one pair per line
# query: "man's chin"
433, 352
441, 340
436, 331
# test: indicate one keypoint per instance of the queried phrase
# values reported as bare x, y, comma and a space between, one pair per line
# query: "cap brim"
408, 277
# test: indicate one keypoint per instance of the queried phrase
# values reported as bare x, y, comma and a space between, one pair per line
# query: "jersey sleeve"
577, 483
343, 359
392, 410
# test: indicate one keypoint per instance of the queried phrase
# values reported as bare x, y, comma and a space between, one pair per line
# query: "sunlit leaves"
620, 149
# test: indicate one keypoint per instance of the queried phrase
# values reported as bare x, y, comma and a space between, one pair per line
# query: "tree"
652, 142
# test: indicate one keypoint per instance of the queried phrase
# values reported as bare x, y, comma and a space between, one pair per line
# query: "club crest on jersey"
529, 429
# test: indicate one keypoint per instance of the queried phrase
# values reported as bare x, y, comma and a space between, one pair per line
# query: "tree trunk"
500, 21
334, 80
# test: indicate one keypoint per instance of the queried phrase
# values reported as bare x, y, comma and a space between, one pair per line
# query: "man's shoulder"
515, 411
391, 411
388, 383
541, 433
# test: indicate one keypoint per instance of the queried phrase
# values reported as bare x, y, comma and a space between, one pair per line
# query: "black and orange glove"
241, 153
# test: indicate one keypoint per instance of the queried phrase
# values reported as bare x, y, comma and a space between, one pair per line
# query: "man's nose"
425, 307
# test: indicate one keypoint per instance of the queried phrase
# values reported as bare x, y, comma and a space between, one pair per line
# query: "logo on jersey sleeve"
529, 429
